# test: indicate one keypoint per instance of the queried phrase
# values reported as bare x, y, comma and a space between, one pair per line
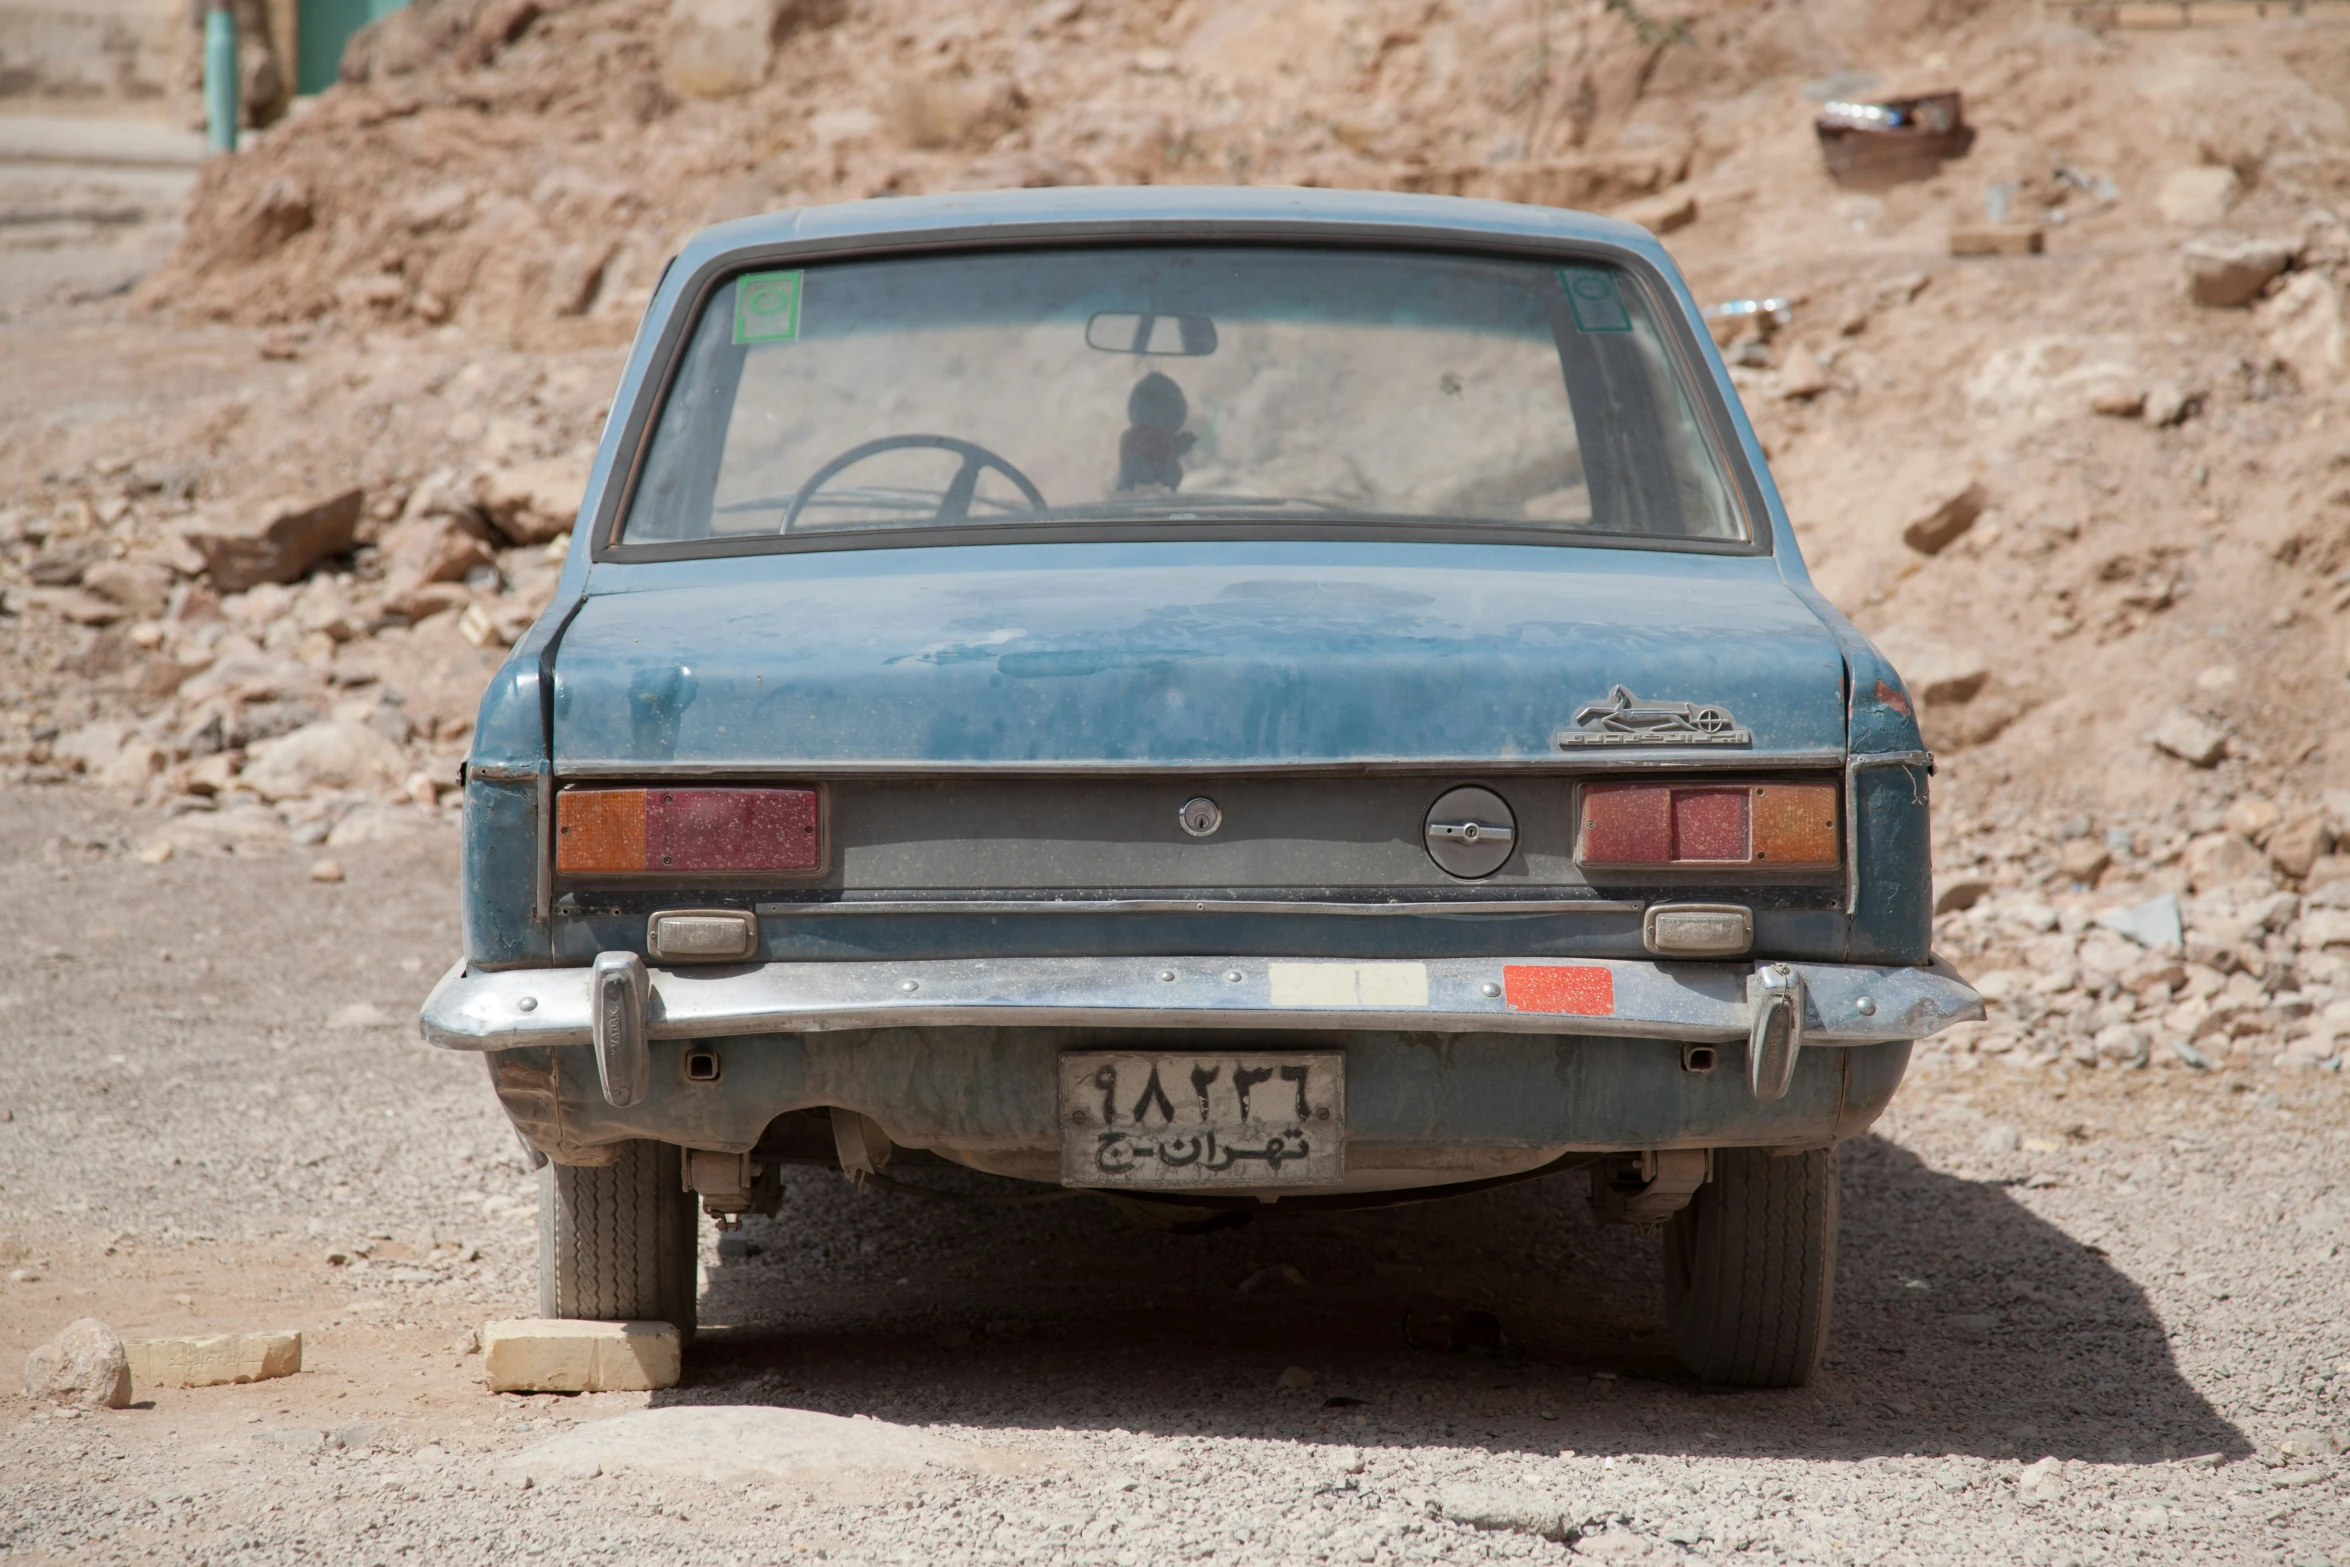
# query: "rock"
1661, 214
2120, 403
2154, 924
2168, 403
2198, 197
2042, 1481
2220, 859
326, 870
719, 48
83, 609
427, 600
259, 606
553, 1355
324, 608
142, 587
2321, 928
2192, 1056
734, 1445
1999, 1139
1954, 893
2084, 860
535, 501
1802, 376
214, 1360
2189, 738
275, 541
2336, 805
437, 548
2122, 1045
2304, 321
359, 1014
63, 565
1295, 1379
1493, 1507
84, 1365
329, 755
1935, 671
2230, 269
93, 748
1947, 523
2325, 871
2252, 818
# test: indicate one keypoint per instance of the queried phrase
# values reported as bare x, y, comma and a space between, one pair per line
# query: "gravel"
2082, 1315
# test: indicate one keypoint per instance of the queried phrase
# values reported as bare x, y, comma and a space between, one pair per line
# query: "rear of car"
1211, 697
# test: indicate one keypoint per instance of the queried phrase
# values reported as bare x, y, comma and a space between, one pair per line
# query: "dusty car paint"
1232, 653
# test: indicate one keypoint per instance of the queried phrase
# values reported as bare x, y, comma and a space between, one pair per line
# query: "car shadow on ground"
1965, 1324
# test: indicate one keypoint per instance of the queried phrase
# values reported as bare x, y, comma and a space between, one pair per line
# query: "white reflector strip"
1348, 984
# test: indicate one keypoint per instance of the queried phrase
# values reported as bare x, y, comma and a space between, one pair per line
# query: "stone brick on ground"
212, 1359
551, 1355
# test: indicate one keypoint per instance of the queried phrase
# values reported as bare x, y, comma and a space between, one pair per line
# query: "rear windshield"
1155, 390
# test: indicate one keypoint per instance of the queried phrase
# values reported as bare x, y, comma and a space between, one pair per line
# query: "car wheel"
617, 1242
1750, 1265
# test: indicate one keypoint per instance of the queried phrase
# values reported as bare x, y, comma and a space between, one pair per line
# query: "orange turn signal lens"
707, 831
1710, 824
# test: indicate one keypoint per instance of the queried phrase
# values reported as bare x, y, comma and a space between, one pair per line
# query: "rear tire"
1750, 1267
619, 1242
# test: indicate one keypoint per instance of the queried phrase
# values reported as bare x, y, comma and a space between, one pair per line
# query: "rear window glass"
1155, 389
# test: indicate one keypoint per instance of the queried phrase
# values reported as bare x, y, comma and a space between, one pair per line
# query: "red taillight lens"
1696, 825
703, 831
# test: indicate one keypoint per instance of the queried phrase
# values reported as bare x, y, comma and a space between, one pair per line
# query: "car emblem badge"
1623, 719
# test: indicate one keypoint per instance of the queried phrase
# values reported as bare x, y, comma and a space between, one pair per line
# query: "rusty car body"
1215, 697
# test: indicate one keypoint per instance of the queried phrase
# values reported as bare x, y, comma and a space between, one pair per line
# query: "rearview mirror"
1145, 332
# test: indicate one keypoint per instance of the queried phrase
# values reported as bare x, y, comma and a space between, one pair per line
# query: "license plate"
1236, 1118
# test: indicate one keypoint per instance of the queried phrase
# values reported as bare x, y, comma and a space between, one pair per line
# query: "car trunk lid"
1224, 656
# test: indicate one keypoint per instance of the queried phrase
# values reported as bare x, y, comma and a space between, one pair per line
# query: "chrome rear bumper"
1840, 1004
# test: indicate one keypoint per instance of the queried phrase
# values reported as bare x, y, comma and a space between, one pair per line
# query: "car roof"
1158, 211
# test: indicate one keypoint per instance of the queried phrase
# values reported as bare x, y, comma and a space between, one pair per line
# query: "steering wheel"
955, 504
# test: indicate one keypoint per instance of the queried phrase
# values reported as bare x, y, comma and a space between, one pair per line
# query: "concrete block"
214, 1359
547, 1355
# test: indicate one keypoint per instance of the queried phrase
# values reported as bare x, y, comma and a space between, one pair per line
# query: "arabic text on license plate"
1231, 1119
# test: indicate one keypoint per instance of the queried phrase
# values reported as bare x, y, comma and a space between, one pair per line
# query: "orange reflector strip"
599, 830
1577, 991
1795, 824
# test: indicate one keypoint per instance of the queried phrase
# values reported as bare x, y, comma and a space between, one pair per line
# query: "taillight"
1767, 825
702, 831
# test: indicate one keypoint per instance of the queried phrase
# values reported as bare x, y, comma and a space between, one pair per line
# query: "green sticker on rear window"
767, 307
1593, 296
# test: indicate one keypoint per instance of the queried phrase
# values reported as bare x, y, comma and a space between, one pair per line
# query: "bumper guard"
1801, 1004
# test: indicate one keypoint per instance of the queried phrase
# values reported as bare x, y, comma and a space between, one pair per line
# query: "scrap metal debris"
1890, 140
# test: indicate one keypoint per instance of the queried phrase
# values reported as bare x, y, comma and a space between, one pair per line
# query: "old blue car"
1212, 697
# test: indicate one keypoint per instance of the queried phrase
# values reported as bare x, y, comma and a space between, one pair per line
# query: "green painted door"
322, 27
